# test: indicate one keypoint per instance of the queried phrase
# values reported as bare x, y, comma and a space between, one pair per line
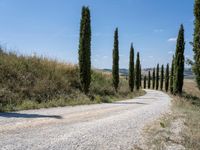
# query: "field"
34, 82
181, 127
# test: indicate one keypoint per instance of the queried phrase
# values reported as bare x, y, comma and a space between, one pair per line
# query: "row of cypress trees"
135, 70
160, 78
173, 80
84, 52
177, 67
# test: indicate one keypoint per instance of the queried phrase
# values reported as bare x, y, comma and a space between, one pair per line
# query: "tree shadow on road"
22, 115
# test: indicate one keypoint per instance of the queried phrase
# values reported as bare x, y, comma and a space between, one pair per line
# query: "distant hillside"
124, 72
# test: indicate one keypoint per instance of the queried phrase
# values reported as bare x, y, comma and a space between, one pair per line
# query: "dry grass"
33, 82
185, 108
190, 87
189, 106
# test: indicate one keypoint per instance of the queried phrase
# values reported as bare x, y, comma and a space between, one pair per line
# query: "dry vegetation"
181, 128
33, 82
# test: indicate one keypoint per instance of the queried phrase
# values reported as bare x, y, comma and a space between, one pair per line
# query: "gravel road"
101, 126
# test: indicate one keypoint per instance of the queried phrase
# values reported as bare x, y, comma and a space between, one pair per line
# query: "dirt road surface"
110, 126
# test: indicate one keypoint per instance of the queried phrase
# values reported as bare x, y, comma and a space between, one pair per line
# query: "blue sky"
51, 28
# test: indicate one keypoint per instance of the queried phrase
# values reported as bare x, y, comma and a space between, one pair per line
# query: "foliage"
179, 63
157, 77
161, 77
145, 79
33, 82
115, 67
153, 78
196, 41
149, 80
167, 78
140, 72
131, 69
85, 50
137, 72
172, 76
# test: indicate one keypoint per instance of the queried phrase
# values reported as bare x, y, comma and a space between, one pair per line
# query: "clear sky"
51, 28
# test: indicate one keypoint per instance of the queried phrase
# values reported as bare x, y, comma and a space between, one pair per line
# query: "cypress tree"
154, 78
167, 78
85, 50
115, 67
145, 78
131, 69
149, 80
162, 77
196, 41
140, 75
157, 77
179, 63
172, 76
137, 72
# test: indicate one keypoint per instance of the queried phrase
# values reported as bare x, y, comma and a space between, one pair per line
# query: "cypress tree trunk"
172, 76
154, 78
157, 77
167, 78
149, 80
115, 67
162, 77
196, 41
131, 69
85, 50
179, 63
137, 72
145, 78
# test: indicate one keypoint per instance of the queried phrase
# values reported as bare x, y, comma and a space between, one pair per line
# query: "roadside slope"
101, 126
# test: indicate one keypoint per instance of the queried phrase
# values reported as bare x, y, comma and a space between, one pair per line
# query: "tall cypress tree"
149, 80
154, 78
167, 78
157, 77
115, 67
137, 72
162, 77
179, 63
172, 76
196, 41
131, 69
145, 78
140, 75
85, 50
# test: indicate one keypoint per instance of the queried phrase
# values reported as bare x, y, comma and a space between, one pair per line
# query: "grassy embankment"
32, 82
181, 128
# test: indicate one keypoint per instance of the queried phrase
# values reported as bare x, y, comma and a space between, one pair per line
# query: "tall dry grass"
34, 82
186, 111
189, 106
